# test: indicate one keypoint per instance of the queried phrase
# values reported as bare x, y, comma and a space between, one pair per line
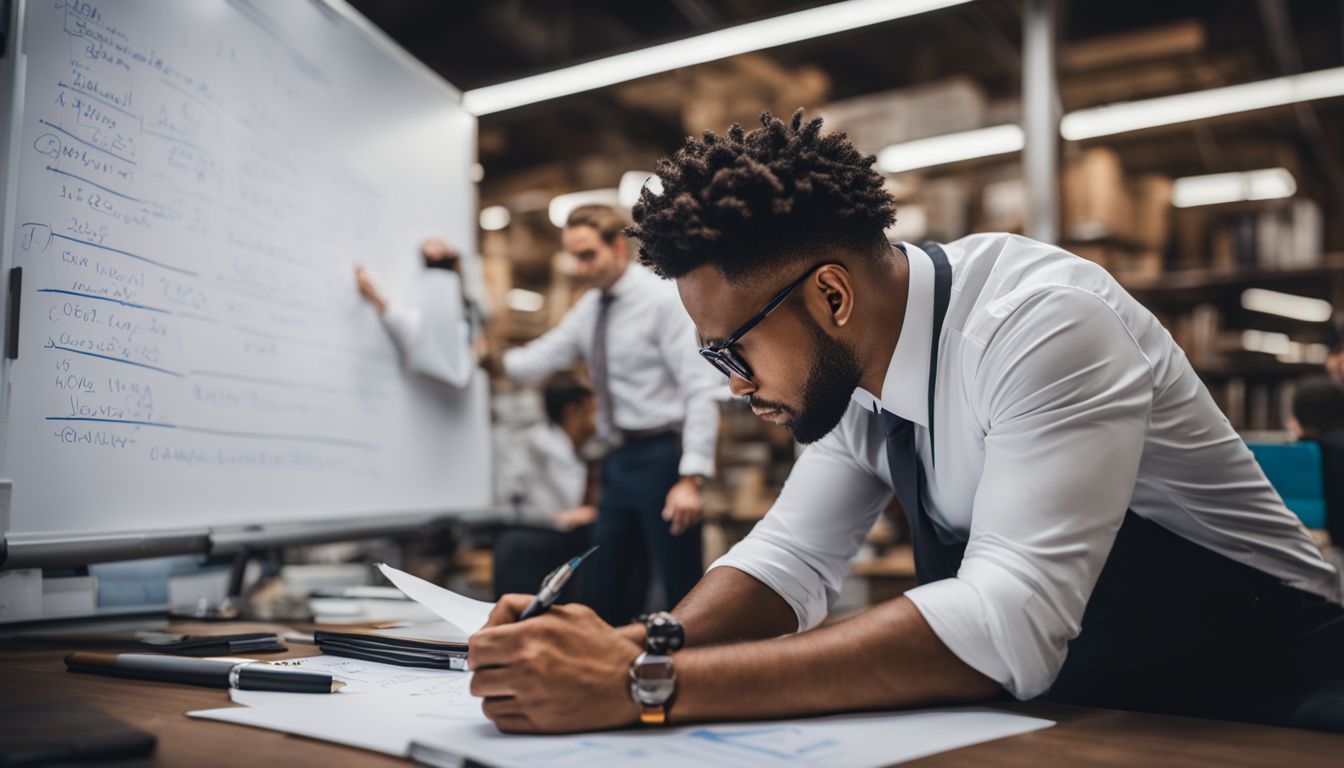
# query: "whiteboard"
189, 186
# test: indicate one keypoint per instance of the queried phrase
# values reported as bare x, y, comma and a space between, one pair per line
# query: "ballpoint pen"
552, 584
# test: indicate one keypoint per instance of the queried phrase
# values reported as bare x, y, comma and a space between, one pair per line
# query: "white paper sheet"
382, 708
360, 677
843, 741
463, 611
385, 708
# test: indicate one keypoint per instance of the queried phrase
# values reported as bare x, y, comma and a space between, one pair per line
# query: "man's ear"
835, 286
619, 246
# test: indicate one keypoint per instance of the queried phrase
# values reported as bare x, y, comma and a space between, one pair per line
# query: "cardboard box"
1141, 267
879, 120
1003, 206
1308, 235
1095, 200
1150, 203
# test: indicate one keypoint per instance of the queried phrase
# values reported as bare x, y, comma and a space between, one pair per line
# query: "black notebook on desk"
435, 645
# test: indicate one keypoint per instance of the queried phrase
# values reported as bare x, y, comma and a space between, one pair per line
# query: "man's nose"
739, 386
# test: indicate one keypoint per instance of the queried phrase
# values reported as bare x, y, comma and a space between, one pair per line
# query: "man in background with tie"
657, 411
1086, 524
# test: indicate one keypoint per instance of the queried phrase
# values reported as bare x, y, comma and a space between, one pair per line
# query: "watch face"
652, 669
652, 679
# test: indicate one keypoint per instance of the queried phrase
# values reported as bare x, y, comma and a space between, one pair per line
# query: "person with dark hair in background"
1086, 524
1318, 415
556, 510
657, 411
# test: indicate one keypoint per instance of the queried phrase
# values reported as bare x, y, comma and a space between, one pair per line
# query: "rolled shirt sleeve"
1064, 392
802, 547
555, 350
404, 324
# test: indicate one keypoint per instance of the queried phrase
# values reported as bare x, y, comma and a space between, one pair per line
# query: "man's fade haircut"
749, 203
605, 219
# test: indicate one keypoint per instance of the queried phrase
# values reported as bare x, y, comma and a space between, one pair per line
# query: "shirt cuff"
696, 464
991, 620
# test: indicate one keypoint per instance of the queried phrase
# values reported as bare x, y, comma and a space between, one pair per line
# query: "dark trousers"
631, 532
525, 555
1175, 628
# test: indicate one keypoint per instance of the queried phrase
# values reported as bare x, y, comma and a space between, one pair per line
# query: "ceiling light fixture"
743, 38
1286, 305
1182, 108
950, 148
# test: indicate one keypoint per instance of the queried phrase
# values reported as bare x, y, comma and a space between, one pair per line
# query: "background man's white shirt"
655, 375
1060, 403
553, 478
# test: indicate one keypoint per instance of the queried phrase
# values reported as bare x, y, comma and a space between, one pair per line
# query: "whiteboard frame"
20, 550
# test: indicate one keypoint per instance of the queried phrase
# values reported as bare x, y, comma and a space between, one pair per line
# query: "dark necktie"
598, 368
934, 558
937, 554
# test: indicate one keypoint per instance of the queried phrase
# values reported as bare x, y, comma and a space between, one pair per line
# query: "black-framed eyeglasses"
722, 356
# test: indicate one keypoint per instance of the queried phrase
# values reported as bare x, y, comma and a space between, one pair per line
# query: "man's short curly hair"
750, 202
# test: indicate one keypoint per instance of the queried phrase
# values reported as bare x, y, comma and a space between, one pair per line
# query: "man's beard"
831, 382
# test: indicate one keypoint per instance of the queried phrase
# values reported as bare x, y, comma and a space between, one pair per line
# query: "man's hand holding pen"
562, 671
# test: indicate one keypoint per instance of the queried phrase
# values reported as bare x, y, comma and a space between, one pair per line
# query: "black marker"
214, 673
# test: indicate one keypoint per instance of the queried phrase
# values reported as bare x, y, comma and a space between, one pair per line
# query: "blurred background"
1195, 148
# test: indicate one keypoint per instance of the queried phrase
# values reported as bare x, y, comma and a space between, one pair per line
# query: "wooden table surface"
1083, 737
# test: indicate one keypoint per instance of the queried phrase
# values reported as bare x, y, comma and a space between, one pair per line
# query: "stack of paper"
438, 644
431, 716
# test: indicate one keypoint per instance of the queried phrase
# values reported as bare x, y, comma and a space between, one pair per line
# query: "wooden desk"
1084, 737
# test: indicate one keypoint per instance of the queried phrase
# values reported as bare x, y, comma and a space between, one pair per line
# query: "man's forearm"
728, 606
887, 657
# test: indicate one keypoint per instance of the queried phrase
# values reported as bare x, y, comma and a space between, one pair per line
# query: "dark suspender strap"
942, 295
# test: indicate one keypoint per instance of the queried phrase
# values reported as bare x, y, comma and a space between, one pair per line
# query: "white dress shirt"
555, 478
656, 377
434, 333
1060, 402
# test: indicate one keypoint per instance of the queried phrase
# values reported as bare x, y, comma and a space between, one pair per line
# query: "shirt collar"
627, 281
905, 391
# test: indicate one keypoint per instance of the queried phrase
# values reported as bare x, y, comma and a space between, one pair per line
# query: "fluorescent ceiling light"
1132, 116
494, 217
1168, 110
744, 38
633, 182
1286, 305
950, 148
1269, 342
561, 205
524, 300
1265, 184
1304, 353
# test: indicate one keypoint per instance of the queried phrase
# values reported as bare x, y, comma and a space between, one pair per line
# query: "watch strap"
653, 714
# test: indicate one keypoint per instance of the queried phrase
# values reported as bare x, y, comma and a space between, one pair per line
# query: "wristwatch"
653, 681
